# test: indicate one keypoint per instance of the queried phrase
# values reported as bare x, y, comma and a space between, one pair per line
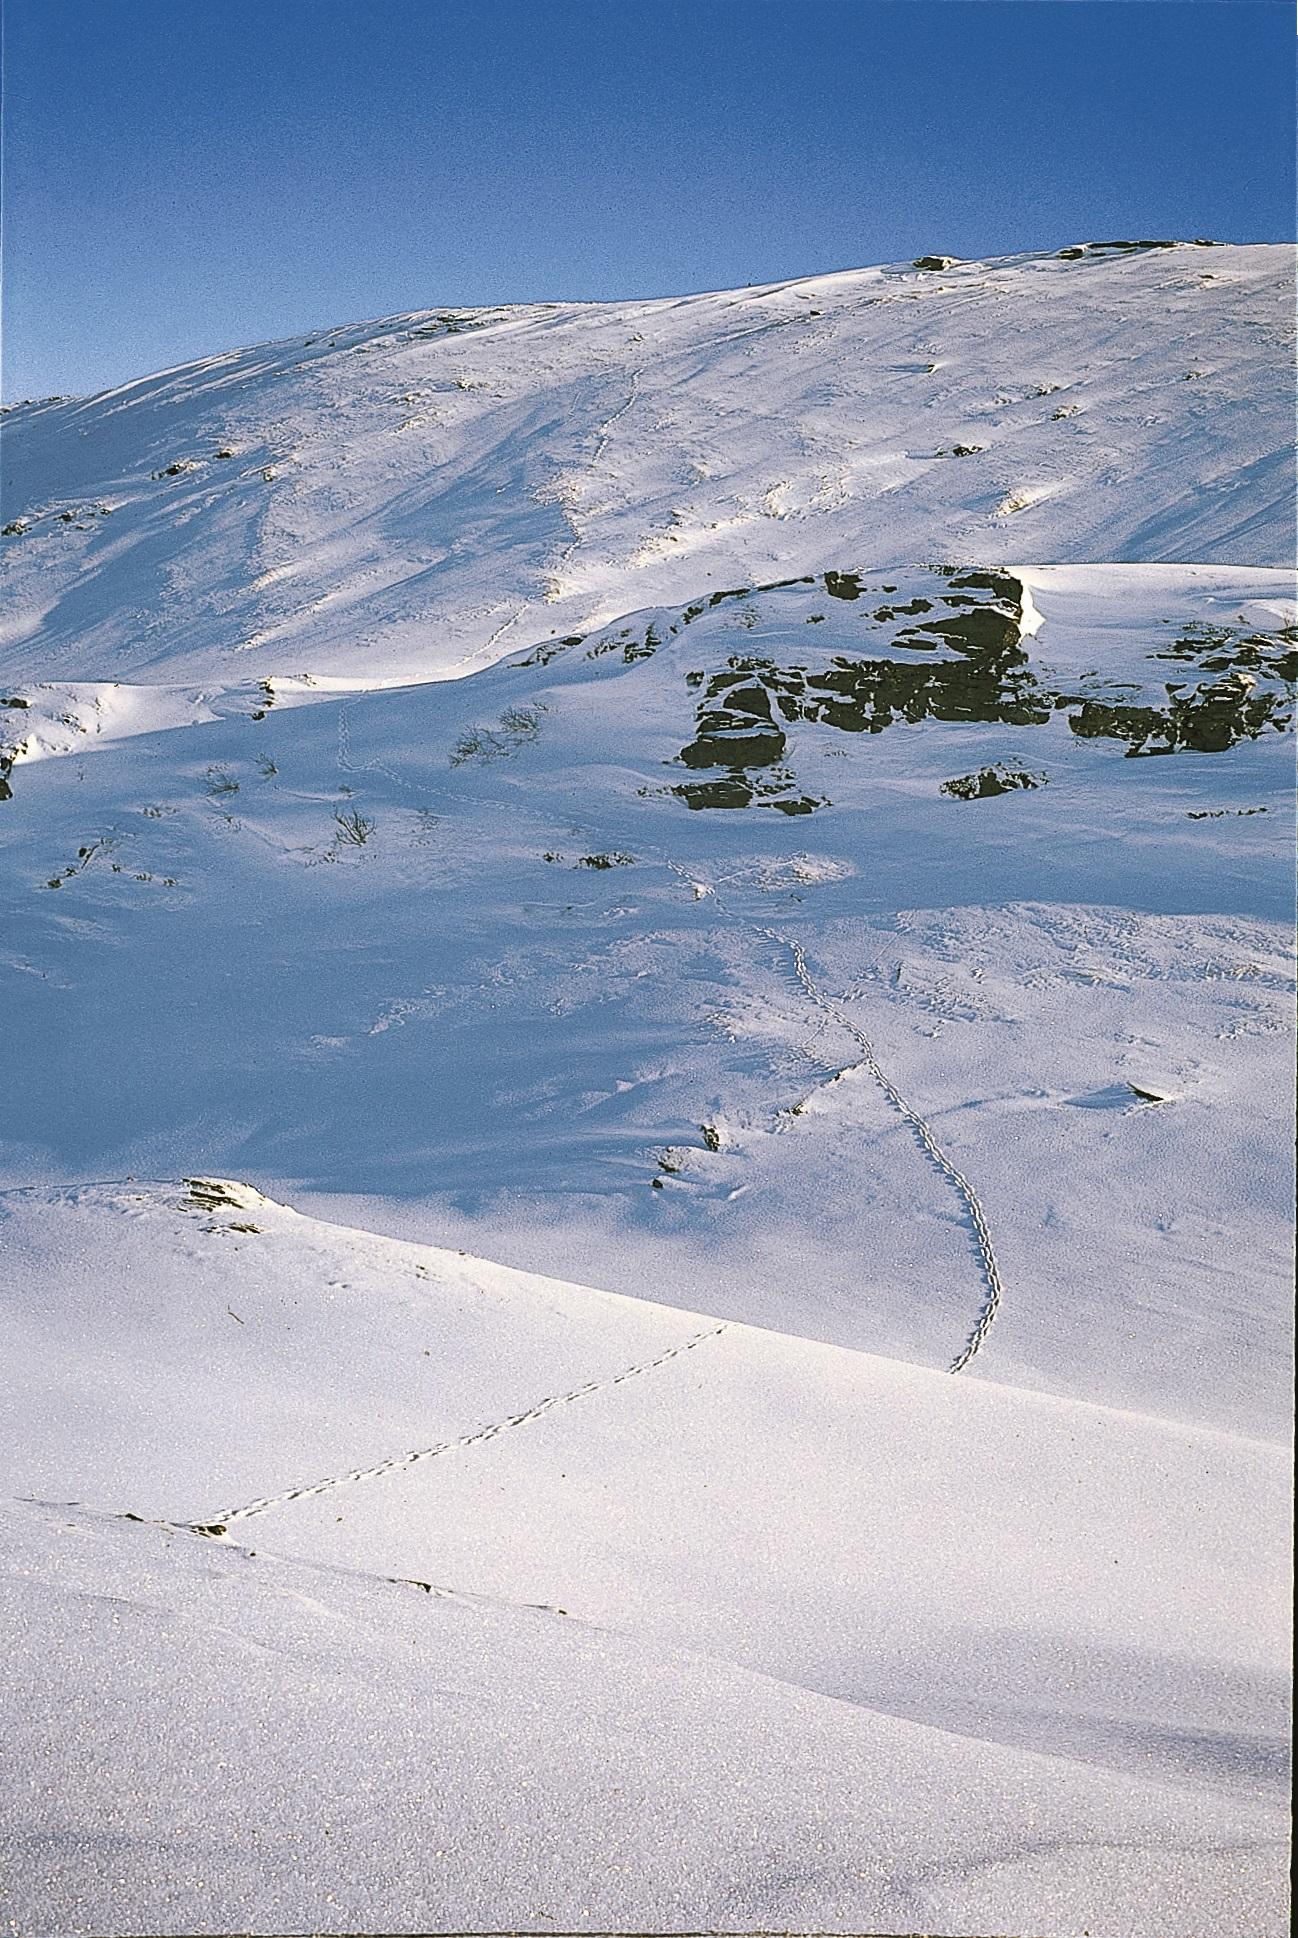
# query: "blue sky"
181, 178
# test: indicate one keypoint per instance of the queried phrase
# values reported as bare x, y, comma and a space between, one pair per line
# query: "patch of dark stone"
549, 649
690, 613
1221, 814
9, 755
910, 611
1210, 720
633, 648
740, 790
934, 262
734, 791
207, 1194
82, 517
450, 324
999, 778
1124, 248
974, 621
738, 729
1219, 649
744, 710
973, 630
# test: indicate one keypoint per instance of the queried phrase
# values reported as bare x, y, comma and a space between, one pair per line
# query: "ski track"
218, 1527
928, 1142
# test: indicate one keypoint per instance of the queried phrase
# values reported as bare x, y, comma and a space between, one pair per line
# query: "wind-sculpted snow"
863, 954
414, 497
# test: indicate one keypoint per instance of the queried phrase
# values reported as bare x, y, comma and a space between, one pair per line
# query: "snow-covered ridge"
416, 497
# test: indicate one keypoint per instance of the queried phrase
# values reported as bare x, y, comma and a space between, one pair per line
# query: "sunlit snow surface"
859, 952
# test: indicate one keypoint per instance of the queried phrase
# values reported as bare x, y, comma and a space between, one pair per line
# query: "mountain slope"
776, 806
410, 498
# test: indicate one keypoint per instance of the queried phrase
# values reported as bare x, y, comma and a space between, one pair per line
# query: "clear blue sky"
184, 176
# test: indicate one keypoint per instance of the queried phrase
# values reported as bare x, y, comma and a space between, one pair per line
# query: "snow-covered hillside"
776, 806
541, 1599
414, 497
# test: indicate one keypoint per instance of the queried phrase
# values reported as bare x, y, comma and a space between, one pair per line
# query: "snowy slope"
660, 1678
409, 498
611, 791
515, 966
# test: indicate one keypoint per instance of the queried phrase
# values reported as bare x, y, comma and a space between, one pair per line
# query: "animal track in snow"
217, 1528
924, 1133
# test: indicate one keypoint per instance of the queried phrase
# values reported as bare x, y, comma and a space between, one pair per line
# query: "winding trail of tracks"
928, 1143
